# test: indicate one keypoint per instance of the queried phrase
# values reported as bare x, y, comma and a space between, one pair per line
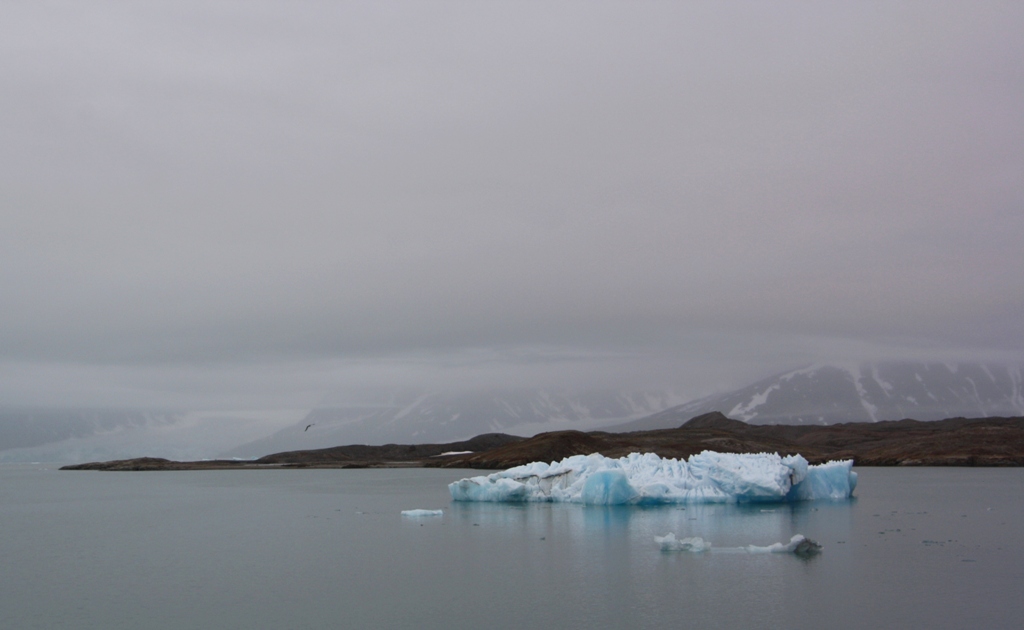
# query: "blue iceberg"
647, 479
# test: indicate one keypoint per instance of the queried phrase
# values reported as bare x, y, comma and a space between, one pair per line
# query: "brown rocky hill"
951, 442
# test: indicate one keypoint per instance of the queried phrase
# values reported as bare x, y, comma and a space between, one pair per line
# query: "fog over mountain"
28, 428
423, 417
80, 435
236, 210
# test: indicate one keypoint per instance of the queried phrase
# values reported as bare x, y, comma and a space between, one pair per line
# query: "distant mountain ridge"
420, 417
820, 394
867, 392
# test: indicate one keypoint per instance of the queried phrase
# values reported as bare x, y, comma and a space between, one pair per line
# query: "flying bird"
307, 427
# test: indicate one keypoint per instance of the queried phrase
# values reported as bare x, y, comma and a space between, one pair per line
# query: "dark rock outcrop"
352, 456
156, 463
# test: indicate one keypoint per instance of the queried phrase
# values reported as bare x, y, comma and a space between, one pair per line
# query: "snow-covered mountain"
420, 417
829, 394
821, 394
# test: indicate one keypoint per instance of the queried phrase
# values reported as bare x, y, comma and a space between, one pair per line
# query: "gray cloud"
220, 188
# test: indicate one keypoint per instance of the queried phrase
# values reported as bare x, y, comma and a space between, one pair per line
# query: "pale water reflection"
933, 548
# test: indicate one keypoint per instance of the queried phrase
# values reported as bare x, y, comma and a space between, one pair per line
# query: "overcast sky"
255, 203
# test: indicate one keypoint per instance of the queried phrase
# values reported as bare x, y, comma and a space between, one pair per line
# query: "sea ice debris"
799, 545
668, 542
422, 513
647, 479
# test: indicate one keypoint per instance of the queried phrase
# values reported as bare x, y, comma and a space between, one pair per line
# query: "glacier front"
647, 479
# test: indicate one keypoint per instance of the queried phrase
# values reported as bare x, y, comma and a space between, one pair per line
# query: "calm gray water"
924, 547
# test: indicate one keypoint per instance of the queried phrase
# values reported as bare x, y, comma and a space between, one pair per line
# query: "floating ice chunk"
422, 513
668, 542
645, 479
799, 545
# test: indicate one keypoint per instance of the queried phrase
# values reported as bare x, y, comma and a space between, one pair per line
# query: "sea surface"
294, 549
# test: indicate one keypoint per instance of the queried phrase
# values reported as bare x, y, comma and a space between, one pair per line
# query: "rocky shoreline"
951, 442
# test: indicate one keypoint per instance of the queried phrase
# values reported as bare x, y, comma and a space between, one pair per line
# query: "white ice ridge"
799, 544
646, 479
422, 513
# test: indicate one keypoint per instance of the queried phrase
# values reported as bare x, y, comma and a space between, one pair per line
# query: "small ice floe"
668, 542
799, 545
422, 513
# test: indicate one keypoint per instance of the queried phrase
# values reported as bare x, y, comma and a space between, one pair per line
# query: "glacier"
647, 479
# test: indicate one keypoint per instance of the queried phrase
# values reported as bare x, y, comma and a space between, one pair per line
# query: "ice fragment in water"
799, 545
646, 479
422, 513
668, 542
